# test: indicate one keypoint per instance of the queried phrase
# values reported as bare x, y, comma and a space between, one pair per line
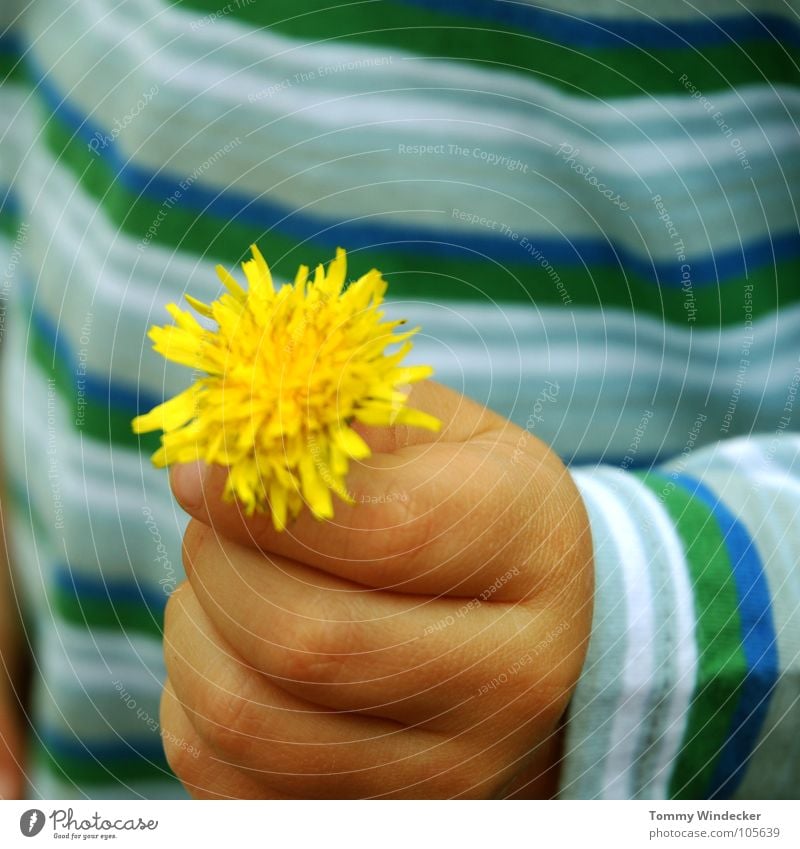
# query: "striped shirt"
594, 219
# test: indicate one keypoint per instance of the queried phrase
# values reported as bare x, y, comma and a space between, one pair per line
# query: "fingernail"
188, 482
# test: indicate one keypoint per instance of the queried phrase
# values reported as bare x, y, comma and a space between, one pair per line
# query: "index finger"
428, 515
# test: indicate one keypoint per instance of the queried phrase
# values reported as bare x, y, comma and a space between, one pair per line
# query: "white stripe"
184, 125
74, 658
638, 666
596, 697
685, 655
17, 128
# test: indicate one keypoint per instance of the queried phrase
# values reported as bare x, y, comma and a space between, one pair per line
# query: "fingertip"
188, 484
381, 440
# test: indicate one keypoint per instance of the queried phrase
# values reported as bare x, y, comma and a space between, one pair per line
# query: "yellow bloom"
285, 374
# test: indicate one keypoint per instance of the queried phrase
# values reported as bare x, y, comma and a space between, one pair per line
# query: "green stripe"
12, 69
721, 663
602, 72
454, 278
9, 222
80, 771
121, 616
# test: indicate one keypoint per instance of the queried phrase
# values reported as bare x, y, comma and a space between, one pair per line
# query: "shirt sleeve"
691, 686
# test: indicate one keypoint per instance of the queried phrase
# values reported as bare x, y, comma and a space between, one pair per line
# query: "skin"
12, 658
12, 745
423, 644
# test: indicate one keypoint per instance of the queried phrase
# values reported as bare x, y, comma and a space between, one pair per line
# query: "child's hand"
12, 744
13, 660
421, 644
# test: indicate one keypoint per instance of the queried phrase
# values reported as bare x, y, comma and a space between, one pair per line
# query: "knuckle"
320, 646
194, 542
530, 678
173, 611
231, 722
244, 730
174, 622
415, 524
181, 758
401, 531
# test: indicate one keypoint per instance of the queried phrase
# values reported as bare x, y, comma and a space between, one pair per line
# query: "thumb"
12, 748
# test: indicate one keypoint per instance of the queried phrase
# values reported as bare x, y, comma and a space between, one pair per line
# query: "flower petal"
351, 443
282, 374
171, 414
230, 283
315, 492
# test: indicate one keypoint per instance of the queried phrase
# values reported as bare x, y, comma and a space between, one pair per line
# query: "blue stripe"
10, 45
759, 643
9, 203
564, 28
642, 461
115, 591
103, 751
267, 215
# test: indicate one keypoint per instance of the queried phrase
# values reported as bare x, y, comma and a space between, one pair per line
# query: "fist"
423, 644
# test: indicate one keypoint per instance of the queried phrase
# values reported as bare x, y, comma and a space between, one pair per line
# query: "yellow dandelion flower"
285, 374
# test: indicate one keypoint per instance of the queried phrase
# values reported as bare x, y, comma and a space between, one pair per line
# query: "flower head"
284, 374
